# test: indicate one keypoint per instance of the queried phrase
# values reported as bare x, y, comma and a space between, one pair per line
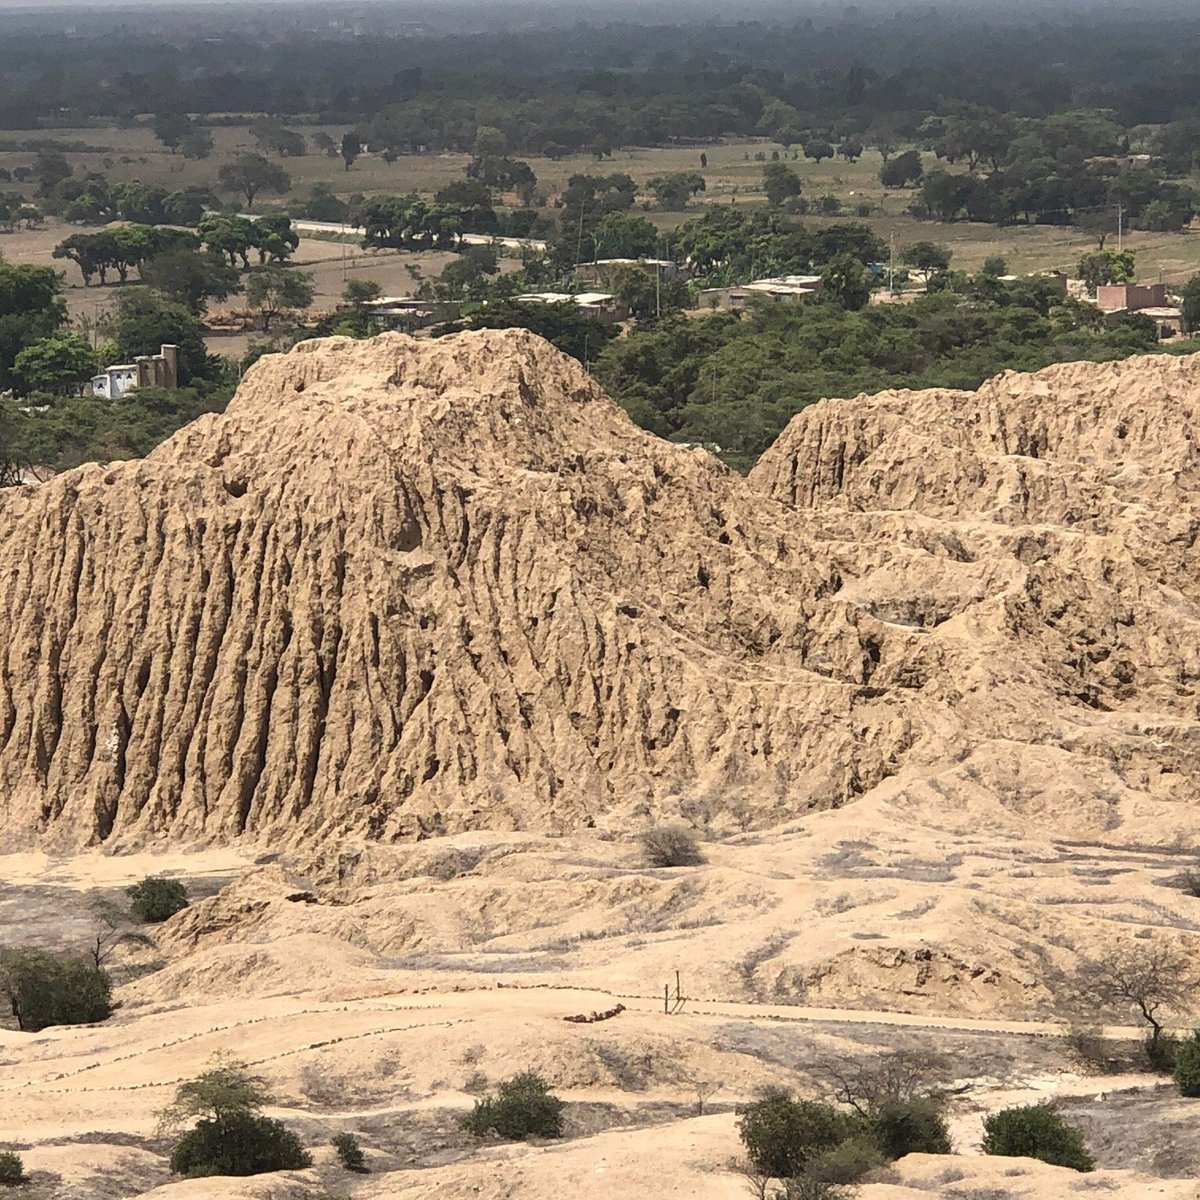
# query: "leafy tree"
780, 183
325, 144
12, 1169
44, 989
1187, 1066
846, 282
55, 363
928, 258
1036, 1131
273, 289
154, 899
170, 128
31, 308
817, 149
359, 292
782, 1135
273, 137
145, 320
1191, 302
850, 150
231, 236
622, 235
350, 148
196, 143
673, 191
274, 238
192, 277
87, 252
647, 294
51, 168
349, 1152
1105, 266
187, 206
521, 1107
902, 170
252, 174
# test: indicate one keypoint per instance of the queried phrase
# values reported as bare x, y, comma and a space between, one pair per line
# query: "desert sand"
392, 662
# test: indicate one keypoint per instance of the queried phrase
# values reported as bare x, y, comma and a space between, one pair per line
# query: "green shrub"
900, 1127
44, 989
350, 1152
238, 1143
847, 1162
671, 846
781, 1134
1187, 1066
12, 1169
804, 1187
154, 900
1160, 1053
1036, 1131
521, 1107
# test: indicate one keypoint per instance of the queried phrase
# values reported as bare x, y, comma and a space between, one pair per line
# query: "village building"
147, 370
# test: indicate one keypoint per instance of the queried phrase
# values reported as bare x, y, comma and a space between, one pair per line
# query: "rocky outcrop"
407, 587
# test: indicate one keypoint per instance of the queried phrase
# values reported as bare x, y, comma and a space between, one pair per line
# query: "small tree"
114, 927
155, 899
780, 183
350, 1152
902, 170
358, 292
1187, 1066
350, 148
12, 1169
521, 1107
671, 846
782, 1134
170, 128
1105, 266
1149, 978
273, 289
1191, 303
1036, 1131
45, 989
230, 1137
927, 258
251, 174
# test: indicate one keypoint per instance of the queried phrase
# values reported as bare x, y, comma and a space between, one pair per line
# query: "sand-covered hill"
405, 587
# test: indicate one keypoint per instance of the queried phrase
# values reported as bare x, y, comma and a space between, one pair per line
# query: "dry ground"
380, 990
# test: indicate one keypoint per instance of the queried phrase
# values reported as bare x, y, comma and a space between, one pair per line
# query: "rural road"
468, 239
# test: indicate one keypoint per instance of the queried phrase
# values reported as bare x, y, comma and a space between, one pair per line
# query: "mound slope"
404, 587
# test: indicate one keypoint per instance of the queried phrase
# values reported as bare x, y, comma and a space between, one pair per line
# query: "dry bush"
671, 846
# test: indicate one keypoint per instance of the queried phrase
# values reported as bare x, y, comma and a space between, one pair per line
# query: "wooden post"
667, 998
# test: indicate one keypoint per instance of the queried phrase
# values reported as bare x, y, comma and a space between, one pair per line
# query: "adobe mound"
406, 587
402, 587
